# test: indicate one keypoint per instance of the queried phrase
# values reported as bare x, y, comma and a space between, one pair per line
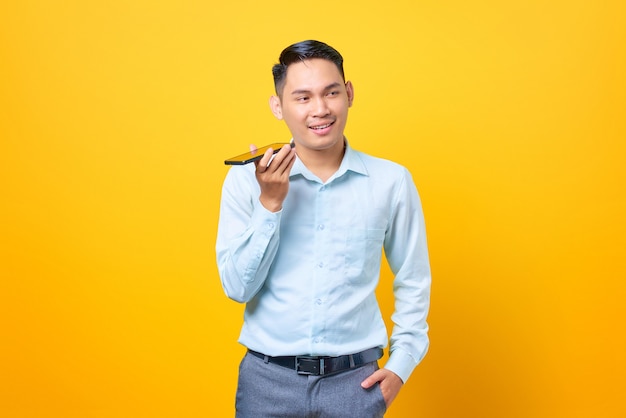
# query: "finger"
264, 162
276, 160
284, 159
260, 165
371, 380
253, 150
366, 384
292, 160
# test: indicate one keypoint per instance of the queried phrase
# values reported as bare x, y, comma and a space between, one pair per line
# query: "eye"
333, 93
302, 98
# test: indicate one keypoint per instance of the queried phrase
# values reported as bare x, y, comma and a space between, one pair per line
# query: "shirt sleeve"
247, 237
407, 253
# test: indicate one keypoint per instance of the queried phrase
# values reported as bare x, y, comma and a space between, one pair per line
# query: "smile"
320, 127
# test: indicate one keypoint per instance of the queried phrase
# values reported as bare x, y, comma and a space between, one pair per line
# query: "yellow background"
115, 119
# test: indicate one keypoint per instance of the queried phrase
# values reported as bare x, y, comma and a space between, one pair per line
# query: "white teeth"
321, 127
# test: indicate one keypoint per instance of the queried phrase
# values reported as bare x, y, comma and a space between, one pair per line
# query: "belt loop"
351, 358
266, 359
322, 367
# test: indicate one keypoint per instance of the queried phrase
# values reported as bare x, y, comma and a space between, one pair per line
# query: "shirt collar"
351, 162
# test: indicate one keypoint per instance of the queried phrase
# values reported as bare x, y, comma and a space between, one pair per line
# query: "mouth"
321, 128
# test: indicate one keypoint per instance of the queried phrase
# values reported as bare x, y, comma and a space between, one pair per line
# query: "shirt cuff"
265, 220
401, 363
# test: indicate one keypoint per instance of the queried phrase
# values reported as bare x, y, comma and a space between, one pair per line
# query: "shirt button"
318, 301
270, 226
322, 188
320, 264
320, 227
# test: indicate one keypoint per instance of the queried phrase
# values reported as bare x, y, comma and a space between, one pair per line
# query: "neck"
323, 163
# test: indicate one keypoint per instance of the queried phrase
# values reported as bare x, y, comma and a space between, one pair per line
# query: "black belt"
322, 365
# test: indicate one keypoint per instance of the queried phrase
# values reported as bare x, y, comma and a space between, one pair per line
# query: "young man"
300, 241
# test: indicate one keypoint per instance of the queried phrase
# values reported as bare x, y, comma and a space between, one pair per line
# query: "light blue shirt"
308, 273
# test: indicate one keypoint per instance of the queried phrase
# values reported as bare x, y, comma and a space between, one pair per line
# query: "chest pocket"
364, 253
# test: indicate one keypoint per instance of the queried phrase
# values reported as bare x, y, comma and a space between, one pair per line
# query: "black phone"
252, 156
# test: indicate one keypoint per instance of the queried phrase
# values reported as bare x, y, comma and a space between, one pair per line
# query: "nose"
320, 107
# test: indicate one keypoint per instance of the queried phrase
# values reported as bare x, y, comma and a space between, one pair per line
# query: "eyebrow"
328, 87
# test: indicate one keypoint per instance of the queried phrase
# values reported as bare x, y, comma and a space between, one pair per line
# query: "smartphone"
252, 156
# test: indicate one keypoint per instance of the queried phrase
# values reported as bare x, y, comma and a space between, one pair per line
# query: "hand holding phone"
272, 171
255, 155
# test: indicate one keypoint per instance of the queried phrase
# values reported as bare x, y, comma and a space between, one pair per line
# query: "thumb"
371, 380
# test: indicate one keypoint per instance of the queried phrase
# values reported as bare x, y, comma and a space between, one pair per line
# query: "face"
314, 105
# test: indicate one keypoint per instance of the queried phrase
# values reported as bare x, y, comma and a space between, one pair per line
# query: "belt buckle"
310, 365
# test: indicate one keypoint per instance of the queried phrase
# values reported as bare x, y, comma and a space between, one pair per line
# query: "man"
300, 241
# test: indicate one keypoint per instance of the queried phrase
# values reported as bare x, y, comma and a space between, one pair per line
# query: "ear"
276, 108
350, 91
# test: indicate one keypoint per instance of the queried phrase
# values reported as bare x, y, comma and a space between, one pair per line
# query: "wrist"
271, 204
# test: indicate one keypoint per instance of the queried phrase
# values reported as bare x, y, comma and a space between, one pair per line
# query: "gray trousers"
269, 390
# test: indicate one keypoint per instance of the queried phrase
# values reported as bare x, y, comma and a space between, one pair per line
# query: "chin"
326, 145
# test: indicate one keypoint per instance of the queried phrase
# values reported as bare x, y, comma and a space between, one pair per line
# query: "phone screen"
251, 156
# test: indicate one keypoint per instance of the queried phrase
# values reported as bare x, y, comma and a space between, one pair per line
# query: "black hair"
303, 51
